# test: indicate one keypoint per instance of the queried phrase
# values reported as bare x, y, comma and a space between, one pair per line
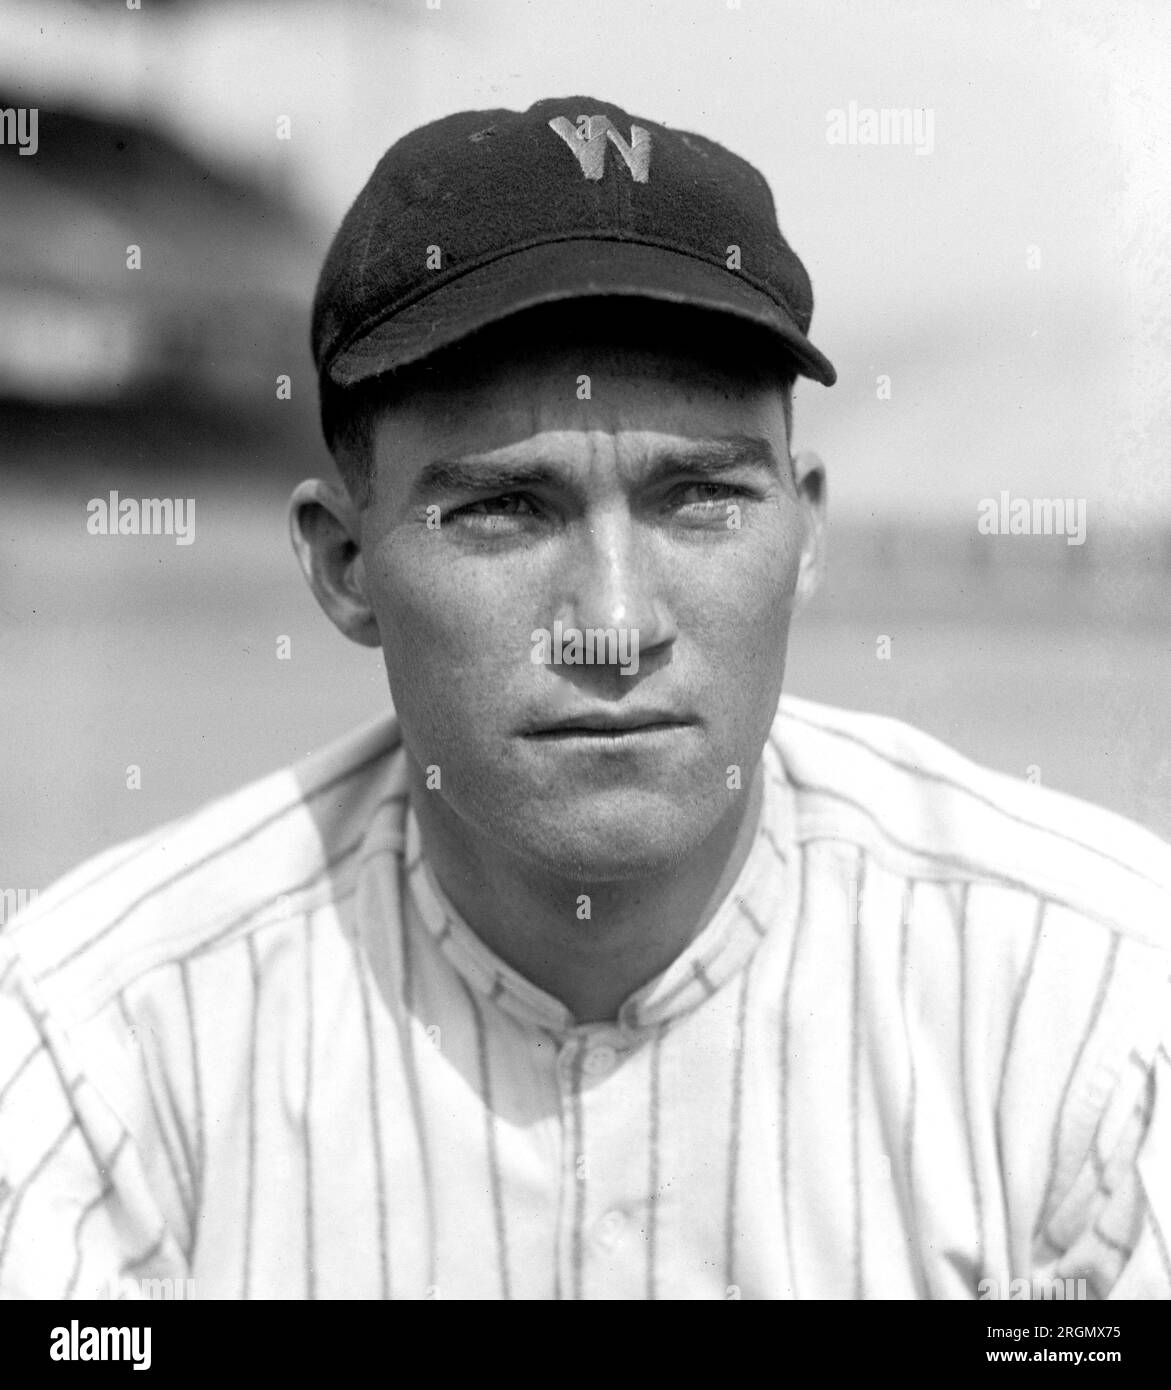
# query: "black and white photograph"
585, 631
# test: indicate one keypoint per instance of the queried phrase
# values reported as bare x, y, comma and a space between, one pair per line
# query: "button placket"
604, 1109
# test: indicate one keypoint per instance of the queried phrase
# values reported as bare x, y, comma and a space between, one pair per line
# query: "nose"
612, 580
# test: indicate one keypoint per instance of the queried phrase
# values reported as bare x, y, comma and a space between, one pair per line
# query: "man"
589, 973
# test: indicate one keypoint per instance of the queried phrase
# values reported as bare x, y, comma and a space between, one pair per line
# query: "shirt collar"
761, 901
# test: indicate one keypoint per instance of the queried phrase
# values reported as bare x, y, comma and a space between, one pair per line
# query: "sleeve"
1113, 1227
77, 1217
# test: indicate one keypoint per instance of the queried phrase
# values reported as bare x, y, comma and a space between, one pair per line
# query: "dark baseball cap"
483, 214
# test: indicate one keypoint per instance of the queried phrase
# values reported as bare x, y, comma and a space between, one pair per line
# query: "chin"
610, 838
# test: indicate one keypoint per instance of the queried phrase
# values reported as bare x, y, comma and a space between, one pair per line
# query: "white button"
599, 1061
610, 1229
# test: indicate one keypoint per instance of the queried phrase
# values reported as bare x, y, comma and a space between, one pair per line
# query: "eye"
486, 512
706, 496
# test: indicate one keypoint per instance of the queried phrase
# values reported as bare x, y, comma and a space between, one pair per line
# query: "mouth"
610, 724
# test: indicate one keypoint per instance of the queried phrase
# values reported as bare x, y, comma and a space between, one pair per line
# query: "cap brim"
562, 270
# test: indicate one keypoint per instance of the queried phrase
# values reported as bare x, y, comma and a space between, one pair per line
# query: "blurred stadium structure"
92, 354
1031, 654
227, 295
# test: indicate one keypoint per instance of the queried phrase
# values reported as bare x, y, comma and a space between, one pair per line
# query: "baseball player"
596, 970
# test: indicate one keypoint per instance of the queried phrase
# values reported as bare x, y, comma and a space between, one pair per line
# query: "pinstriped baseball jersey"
922, 1044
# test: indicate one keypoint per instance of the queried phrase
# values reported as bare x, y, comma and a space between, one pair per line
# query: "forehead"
574, 411
621, 371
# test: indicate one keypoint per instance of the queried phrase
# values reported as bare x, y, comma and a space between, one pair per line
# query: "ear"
809, 475
326, 530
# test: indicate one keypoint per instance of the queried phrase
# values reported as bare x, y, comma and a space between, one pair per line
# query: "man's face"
662, 506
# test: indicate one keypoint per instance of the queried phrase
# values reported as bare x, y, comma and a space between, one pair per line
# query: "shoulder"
910, 799
157, 899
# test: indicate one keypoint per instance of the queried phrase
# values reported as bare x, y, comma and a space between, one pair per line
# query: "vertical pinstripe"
912, 1079
563, 1188
966, 1082
1164, 1253
182, 1187
307, 1136
1147, 1104
1013, 1019
250, 1176
200, 1169
189, 1158
786, 1026
374, 1102
730, 1211
490, 1121
88, 1210
1087, 1032
856, 1070
83, 1216
653, 1146
71, 1086
418, 1114
580, 1178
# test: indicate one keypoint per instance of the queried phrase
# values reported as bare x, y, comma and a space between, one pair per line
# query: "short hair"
349, 415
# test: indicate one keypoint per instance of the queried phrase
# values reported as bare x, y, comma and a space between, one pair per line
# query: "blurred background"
998, 309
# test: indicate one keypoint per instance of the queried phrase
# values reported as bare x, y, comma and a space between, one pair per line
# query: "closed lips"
609, 722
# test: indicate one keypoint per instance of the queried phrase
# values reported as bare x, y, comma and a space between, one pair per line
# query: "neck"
533, 919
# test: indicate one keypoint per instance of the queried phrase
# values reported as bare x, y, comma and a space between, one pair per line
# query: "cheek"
743, 610
744, 595
423, 599
451, 639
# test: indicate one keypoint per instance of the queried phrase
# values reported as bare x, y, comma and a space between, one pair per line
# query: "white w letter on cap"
588, 137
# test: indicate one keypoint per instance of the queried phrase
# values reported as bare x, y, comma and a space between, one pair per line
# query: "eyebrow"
705, 458
712, 457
